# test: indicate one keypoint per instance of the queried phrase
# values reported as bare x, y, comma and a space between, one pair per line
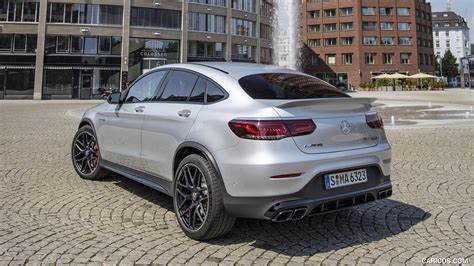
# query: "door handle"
140, 109
184, 113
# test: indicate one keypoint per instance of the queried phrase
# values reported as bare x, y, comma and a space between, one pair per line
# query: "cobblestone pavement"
48, 214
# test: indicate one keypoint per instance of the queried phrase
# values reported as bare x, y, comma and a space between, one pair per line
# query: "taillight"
271, 129
374, 120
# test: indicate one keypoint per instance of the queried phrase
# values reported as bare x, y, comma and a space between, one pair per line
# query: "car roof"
235, 70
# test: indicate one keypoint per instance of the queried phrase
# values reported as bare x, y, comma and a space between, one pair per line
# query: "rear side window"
197, 96
276, 86
214, 94
179, 86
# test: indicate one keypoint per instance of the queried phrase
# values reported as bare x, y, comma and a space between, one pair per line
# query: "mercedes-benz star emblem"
345, 127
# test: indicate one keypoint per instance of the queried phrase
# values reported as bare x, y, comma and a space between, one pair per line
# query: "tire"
87, 162
216, 222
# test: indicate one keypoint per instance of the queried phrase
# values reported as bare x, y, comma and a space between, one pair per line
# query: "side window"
144, 89
197, 96
214, 94
179, 86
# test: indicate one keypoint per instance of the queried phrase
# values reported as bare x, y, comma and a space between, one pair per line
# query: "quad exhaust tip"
293, 214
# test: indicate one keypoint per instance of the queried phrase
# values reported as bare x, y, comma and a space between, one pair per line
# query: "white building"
450, 32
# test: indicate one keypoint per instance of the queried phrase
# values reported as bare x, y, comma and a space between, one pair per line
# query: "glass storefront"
17, 82
79, 83
146, 54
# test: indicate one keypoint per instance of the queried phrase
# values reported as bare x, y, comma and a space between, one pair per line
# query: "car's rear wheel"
198, 200
85, 154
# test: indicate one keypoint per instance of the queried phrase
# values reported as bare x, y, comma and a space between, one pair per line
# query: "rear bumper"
312, 199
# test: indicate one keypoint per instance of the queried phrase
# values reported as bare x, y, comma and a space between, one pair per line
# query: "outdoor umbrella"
396, 76
382, 76
421, 76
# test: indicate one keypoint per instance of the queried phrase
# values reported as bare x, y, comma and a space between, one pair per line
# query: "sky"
464, 8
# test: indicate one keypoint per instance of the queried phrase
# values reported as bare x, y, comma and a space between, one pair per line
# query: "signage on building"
153, 53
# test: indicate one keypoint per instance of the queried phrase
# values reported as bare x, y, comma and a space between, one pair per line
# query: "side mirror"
115, 98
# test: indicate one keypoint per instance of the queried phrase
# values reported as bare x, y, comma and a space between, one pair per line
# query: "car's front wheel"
85, 154
198, 200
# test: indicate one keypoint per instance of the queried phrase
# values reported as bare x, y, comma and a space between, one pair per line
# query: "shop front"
146, 54
81, 67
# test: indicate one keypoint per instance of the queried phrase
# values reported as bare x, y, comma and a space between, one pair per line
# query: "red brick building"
350, 41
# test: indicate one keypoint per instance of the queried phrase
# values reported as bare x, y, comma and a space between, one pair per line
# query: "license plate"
343, 179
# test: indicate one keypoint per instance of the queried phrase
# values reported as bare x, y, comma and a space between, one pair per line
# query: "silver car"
229, 140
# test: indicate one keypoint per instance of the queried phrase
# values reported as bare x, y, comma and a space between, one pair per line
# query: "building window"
447, 33
404, 59
369, 41
347, 59
313, 14
244, 5
155, 18
265, 9
403, 11
386, 11
206, 22
404, 41
368, 25
330, 12
368, 11
331, 59
347, 26
387, 58
330, 27
19, 43
403, 26
314, 42
84, 14
242, 52
266, 55
265, 31
207, 50
386, 40
314, 28
346, 11
347, 40
62, 44
243, 27
6, 42
448, 43
330, 42
209, 2
77, 43
386, 25
90, 45
19, 10
370, 58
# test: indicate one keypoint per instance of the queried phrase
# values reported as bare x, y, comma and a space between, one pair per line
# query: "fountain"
286, 44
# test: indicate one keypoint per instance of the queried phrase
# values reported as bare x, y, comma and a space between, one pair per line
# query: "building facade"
451, 32
350, 41
71, 49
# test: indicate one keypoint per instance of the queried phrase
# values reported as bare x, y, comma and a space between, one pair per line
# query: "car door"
170, 119
120, 136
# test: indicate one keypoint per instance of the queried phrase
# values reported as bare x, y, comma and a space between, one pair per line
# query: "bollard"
392, 120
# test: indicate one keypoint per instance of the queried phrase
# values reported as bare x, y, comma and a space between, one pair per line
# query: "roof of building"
448, 19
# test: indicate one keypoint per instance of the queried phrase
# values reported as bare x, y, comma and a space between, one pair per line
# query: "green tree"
450, 66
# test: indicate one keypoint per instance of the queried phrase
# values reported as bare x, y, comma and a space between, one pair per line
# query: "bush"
441, 85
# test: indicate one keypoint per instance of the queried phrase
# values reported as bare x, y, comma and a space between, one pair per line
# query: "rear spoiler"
320, 101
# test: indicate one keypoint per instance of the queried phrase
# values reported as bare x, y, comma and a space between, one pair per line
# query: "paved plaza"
48, 214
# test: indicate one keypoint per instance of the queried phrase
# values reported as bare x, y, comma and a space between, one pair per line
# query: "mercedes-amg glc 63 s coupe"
229, 140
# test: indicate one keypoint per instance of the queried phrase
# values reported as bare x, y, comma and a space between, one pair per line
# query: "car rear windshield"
276, 86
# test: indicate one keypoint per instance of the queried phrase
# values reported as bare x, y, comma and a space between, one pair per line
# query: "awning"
81, 68
422, 76
16, 67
